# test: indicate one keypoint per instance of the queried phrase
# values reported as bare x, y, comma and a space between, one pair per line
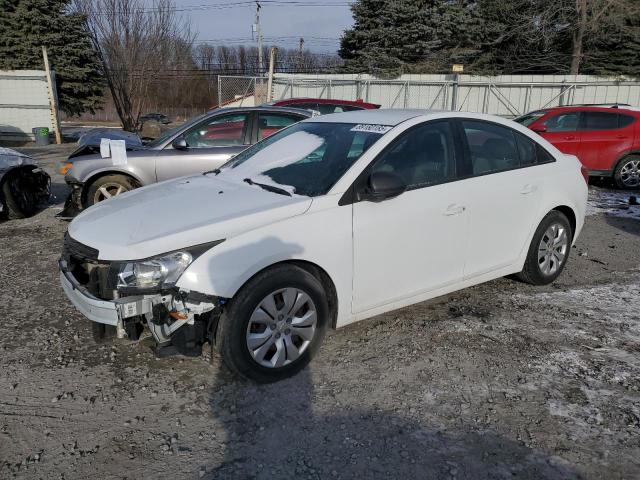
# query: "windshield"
304, 159
171, 132
529, 118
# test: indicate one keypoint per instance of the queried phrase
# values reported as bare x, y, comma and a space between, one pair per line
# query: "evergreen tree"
494, 36
409, 35
26, 25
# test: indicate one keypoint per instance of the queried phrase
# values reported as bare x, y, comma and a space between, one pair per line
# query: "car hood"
177, 214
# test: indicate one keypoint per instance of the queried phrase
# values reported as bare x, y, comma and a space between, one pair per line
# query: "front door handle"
528, 188
570, 137
454, 209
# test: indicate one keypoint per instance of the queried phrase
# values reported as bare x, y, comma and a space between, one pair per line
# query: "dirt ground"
503, 380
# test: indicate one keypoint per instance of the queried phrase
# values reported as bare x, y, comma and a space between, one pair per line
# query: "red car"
606, 139
325, 105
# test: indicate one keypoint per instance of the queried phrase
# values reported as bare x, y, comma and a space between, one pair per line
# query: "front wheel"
274, 325
106, 187
549, 250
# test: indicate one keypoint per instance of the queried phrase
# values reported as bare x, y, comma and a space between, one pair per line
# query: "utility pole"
300, 50
259, 34
272, 62
52, 96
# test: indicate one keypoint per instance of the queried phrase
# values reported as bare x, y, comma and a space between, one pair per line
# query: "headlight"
161, 271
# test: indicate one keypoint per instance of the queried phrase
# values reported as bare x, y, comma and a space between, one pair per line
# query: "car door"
209, 144
504, 190
415, 242
561, 130
604, 138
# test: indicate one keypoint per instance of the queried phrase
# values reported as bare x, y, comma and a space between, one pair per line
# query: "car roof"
337, 101
613, 108
269, 108
390, 116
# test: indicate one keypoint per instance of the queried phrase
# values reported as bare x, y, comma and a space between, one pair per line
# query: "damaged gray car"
23, 185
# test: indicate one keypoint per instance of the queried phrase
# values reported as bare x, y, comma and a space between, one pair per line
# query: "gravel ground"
503, 380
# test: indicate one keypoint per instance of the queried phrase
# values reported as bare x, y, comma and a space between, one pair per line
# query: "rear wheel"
549, 250
627, 173
274, 325
106, 187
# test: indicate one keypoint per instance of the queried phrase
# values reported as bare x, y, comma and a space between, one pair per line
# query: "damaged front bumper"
73, 203
164, 314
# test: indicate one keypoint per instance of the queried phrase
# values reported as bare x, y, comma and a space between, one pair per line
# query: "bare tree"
137, 43
591, 19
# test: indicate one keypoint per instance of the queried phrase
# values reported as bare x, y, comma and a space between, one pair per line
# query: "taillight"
585, 173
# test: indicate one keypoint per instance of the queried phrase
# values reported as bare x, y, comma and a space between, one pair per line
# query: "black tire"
19, 199
232, 329
618, 174
532, 272
110, 182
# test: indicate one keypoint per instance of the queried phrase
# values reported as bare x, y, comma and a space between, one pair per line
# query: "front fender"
224, 269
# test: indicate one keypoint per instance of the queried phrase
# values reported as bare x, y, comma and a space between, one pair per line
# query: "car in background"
606, 138
156, 117
330, 221
325, 106
23, 185
201, 144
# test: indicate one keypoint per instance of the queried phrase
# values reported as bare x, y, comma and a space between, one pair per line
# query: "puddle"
614, 203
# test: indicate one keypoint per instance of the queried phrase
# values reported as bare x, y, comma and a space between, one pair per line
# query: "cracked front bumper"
109, 312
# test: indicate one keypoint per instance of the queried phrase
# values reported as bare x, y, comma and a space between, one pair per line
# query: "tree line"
596, 37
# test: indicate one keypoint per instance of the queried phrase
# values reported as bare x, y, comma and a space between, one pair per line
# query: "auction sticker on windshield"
371, 128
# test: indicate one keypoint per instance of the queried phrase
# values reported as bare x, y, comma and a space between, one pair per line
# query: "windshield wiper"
215, 172
268, 188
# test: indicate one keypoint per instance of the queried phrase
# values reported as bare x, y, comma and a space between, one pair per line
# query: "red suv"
606, 139
325, 105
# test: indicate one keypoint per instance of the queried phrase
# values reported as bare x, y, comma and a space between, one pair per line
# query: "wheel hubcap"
108, 190
553, 249
281, 327
630, 173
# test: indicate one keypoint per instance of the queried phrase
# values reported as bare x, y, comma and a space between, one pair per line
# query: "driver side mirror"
179, 144
382, 186
540, 129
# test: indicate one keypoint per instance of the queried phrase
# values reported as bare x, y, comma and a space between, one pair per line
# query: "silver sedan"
204, 143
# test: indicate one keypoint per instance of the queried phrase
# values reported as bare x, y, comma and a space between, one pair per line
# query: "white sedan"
332, 220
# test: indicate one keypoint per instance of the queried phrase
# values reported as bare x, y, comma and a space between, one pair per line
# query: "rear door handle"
570, 137
454, 209
528, 188
621, 136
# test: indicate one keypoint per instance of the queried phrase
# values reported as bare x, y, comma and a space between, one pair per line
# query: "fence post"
454, 93
219, 92
406, 93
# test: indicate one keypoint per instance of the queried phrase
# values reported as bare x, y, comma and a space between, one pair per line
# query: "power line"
230, 5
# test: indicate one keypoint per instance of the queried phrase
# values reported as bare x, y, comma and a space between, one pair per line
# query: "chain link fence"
508, 96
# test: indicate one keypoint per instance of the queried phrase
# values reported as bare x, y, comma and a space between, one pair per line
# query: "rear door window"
492, 147
625, 120
600, 121
270, 123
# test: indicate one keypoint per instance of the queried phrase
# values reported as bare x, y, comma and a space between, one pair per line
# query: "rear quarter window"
625, 120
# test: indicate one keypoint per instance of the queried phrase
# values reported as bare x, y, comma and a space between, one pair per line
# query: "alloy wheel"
552, 250
281, 327
630, 173
108, 190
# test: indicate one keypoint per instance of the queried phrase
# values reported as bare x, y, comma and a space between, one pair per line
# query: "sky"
320, 22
